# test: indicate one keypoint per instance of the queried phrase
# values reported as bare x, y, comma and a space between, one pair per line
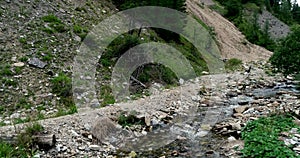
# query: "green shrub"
5, 70
9, 82
286, 57
48, 30
129, 120
106, 96
62, 85
23, 40
51, 19
297, 78
23, 103
77, 29
233, 64
62, 112
25, 143
8, 150
55, 24
261, 137
24, 59
80, 31
58, 27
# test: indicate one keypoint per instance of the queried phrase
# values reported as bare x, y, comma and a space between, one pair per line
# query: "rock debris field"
201, 118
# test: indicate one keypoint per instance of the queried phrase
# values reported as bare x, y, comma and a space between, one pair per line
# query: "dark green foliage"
118, 47
129, 120
281, 9
51, 19
261, 137
34, 129
23, 103
249, 26
174, 4
62, 85
234, 8
55, 24
233, 64
296, 12
254, 34
24, 58
106, 96
297, 78
286, 57
71, 110
8, 150
156, 72
58, 27
25, 143
5, 70
80, 31
9, 82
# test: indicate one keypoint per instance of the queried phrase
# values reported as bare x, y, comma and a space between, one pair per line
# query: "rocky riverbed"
201, 118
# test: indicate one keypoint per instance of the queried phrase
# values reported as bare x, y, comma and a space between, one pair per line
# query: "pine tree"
296, 12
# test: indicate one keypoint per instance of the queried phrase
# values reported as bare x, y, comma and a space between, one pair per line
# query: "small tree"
286, 57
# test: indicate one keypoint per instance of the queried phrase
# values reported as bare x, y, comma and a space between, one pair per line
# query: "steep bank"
232, 42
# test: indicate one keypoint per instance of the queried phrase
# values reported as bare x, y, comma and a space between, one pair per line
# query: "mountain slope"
232, 42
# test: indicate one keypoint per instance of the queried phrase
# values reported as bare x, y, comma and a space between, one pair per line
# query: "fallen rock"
37, 63
19, 64
240, 109
95, 147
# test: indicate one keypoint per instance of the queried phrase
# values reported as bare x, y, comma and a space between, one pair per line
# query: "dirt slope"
231, 41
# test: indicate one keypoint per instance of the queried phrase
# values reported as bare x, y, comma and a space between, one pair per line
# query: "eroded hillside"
232, 42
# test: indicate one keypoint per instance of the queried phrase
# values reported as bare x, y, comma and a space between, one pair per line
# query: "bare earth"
231, 41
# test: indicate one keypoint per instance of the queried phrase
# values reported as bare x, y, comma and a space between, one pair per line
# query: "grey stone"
95, 147
15, 115
231, 139
37, 63
87, 127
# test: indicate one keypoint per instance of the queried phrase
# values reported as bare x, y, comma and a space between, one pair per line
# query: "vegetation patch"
5, 70
286, 57
106, 96
237, 11
233, 64
54, 24
129, 119
24, 147
62, 85
297, 78
262, 137
80, 31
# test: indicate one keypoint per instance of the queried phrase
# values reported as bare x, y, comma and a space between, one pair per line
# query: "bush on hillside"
286, 57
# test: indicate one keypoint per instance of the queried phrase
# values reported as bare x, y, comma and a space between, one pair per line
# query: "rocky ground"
35, 49
187, 121
277, 28
39, 40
